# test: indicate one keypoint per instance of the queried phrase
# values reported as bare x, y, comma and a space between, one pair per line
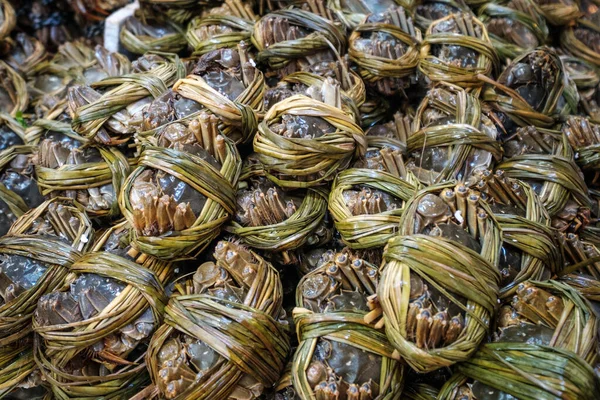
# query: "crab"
263, 203
17, 178
182, 359
88, 295
455, 55
344, 283
434, 10
455, 213
342, 371
512, 30
58, 150
528, 140
530, 316
427, 162
275, 29
382, 45
161, 202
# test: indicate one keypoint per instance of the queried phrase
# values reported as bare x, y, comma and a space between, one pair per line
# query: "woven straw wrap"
586, 285
367, 230
575, 325
217, 186
534, 237
58, 344
16, 88
558, 173
584, 137
348, 328
114, 168
374, 68
324, 35
15, 316
353, 91
14, 202
172, 42
461, 137
34, 52
238, 117
242, 32
293, 162
16, 364
290, 234
528, 372
353, 19
125, 90
246, 335
438, 261
439, 70
558, 12
508, 101
9, 18
457, 7
583, 73
535, 24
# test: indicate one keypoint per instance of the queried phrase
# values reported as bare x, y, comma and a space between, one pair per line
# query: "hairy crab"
227, 83
338, 293
183, 361
514, 27
60, 156
108, 348
385, 47
198, 173
451, 137
456, 49
274, 32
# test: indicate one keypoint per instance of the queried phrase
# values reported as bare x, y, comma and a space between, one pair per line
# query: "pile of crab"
281, 200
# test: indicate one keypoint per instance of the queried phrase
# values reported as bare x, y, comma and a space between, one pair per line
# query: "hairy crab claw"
263, 203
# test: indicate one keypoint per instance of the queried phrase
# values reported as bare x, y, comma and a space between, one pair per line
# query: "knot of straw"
439, 70
242, 32
294, 162
452, 269
529, 372
113, 170
525, 16
460, 137
325, 35
557, 172
15, 316
367, 230
290, 234
374, 68
348, 328
216, 186
129, 88
16, 87
237, 116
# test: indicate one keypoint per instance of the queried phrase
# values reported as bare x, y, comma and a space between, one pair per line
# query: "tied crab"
340, 369
385, 48
342, 281
183, 361
161, 202
313, 34
59, 152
